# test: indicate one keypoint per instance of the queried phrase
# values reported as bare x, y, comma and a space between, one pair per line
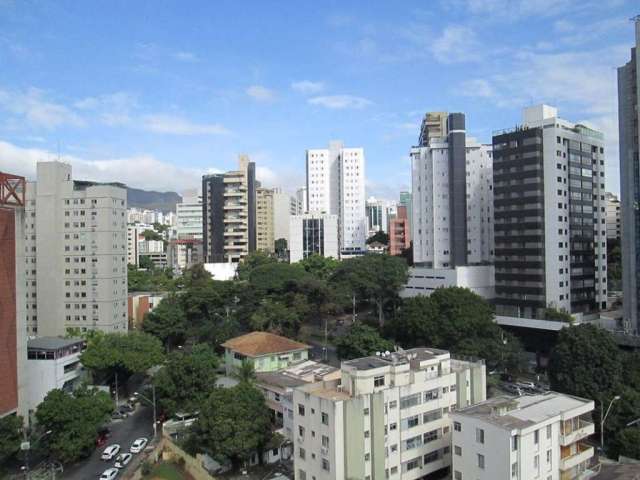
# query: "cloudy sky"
156, 93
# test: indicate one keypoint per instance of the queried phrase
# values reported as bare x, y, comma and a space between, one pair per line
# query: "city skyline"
170, 101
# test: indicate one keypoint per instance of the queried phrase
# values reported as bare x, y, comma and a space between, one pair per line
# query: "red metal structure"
12, 189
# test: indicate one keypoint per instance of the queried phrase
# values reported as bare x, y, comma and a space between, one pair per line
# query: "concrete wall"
8, 310
423, 281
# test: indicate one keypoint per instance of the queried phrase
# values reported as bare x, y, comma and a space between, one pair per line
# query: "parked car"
110, 452
511, 388
126, 408
118, 415
109, 474
138, 445
123, 459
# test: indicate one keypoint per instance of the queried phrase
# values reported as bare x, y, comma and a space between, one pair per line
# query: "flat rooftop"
329, 393
520, 412
395, 358
52, 343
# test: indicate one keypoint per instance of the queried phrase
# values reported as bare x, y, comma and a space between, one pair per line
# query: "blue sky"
155, 93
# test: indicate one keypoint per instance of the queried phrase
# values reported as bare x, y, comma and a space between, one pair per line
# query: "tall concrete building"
550, 231
389, 416
301, 198
629, 127
377, 216
264, 220
335, 185
405, 201
229, 213
399, 234
613, 217
12, 295
76, 253
284, 206
313, 234
434, 125
185, 249
452, 198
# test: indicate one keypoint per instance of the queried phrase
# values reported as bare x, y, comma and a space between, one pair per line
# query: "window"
514, 469
393, 426
548, 432
301, 430
325, 464
367, 457
325, 441
378, 381
536, 462
457, 450
412, 464
431, 415
514, 443
302, 454
325, 418
481, 461
479, 435
410, 400
431, 394
393, 404
411, 422
302, 475
457, 426
366, 411
367, 434
536, 437
549, 459
457, 475
431, 436
301, 410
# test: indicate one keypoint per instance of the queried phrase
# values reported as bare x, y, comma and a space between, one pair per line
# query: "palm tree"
246, 373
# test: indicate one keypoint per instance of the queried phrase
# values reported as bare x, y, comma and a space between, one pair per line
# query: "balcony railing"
579, 430
583, 454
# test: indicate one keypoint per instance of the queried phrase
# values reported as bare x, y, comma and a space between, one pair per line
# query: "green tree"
151, 235
160, 227
585, 362
74, 420
556, 315
186, 380
377, 278
275, 317
145, 262
151, 280
320, 267
124, 354
234, 423
361, 341
167, 321
10, 437
253, 261
246, 373
628, 440
380, 237
275, 278
281, 247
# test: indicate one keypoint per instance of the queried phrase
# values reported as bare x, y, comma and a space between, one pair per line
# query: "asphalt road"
123, 432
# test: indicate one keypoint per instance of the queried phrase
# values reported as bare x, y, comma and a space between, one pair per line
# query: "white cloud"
112, 109
339, 102
457, 43
187, 57
32, 107
307, 87
173, 125
478, 87
140, 171
260, 93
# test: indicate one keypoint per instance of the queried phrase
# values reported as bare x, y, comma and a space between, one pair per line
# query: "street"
123, 432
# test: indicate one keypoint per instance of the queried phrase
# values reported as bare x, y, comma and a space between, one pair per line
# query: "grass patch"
166, 471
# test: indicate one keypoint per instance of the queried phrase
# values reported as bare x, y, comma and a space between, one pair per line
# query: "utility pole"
116, 389
326, 335
155, 421
353, 302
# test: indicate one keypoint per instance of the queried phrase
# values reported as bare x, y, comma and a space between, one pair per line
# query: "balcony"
575, 430
583, 454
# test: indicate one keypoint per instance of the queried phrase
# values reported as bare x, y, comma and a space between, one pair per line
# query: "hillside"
164, 201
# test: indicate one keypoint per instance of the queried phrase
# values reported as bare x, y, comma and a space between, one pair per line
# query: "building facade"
524, 438
335, 185
388, 416
377, 216
302, 199
76, 253
399, 232
405, 201
452, 199
613, 217
313, 234
264, 220
284, 206
12, 294
550, 231
629, 128
229, 213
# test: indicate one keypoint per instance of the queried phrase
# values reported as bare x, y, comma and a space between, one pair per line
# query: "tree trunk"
380, 314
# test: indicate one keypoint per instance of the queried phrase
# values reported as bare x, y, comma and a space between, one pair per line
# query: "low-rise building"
139, 304
479, 279
52, 363
524, 438
267, 352
387, 417
313, 234
399, 232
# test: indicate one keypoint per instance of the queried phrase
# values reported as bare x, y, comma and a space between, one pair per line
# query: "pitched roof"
255, 344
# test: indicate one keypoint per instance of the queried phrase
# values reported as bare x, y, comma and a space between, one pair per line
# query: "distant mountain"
163, 201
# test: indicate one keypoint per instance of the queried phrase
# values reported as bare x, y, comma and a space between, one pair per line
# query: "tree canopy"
74, 420
275, 317
186, 380
361, 341
320, 267
380, 237
10, 437
167, 321
149, 280
233, 424
556, 315
152, 235
124, 354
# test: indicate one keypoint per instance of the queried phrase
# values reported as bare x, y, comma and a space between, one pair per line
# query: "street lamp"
635, 422
604, 418
152, 402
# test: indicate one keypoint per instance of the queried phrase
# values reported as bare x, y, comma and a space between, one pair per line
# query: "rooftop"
52, 343
520, 412
385, 359
256, 344
297, 374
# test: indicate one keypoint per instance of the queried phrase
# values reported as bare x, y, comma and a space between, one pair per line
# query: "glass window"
479, 435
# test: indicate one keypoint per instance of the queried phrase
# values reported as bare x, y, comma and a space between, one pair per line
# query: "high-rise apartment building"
301, 198
434, 125
387, 417
405, 201
399, 234
186, 248
313, 234
524, 438
264, 220
629, 127
377, 216
12, 295
452, 197
550, 231
613, 217
284, 206
335, 185
229, 213
76, 253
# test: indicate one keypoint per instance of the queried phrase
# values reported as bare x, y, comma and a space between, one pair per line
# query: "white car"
123, 459
110, 452
109, 474
138, 445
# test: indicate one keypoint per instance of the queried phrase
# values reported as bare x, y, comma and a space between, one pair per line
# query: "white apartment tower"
387, 418
335, 185
524, 438
452, 195
550, 217
76, 253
